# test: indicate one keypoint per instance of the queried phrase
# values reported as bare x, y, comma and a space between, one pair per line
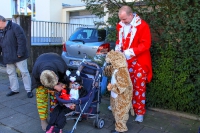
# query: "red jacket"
141, 47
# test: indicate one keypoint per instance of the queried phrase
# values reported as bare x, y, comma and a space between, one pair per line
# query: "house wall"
73, 2
56, 10
6, 8
78, 5
45, 10
49, 10
42, 9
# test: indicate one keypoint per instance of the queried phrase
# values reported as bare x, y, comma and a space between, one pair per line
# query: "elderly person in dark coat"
15, 54
47, 77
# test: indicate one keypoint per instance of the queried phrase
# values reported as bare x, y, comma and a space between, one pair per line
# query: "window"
24, 7
88, 35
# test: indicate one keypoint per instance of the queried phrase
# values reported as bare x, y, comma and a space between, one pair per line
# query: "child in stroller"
73, 91
87, 107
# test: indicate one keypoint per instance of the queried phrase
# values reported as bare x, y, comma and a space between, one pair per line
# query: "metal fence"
45, 32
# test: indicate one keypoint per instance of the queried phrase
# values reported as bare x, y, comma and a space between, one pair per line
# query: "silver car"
89, 43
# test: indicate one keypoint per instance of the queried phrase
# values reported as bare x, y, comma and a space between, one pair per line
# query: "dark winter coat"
13, 43
48, 61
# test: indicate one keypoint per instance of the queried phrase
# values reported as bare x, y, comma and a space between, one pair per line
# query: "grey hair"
2, 18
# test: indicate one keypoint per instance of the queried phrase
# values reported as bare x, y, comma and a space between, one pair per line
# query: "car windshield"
88, 35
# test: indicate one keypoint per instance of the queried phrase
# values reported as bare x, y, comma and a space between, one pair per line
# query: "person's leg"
22, 66
11, 71
42, 105
139, 90
61, 119
53, 118
138, 78
121, 113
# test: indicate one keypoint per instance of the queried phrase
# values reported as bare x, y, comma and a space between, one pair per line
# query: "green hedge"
175, 27
175, 55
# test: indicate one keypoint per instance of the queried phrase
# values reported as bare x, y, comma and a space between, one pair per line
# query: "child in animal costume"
72, 92
120, 87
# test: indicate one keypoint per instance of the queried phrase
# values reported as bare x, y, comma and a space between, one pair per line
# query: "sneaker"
29, 94
50, 130
139, 118
11, 93
109, 108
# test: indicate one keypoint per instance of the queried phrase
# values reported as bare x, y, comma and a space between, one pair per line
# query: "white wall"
42, 9
73, 2
77, 5
6, 8
56, 10
48, 10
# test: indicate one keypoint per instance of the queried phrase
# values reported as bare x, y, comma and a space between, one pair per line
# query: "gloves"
118, 48
129, 53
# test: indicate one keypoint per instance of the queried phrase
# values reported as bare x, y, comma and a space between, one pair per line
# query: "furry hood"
117, 59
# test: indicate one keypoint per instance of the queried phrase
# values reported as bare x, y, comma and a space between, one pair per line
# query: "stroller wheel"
99, 124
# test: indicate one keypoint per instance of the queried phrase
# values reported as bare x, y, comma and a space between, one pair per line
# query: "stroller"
87, 107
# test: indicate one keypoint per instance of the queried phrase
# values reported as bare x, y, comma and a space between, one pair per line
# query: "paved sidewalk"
18, 114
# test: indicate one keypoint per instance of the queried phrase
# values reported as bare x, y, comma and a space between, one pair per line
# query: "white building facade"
66, 11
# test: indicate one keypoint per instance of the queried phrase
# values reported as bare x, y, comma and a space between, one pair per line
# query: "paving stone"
150, 130
5, 129
6, 112
176, 127
26, 108
103, 130
15, 120
1, 106
14, 103
31, 126
155, 122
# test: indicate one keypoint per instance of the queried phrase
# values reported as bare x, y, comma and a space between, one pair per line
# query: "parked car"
86, 42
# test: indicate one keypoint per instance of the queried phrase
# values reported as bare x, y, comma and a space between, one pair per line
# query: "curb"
179, 114
170, 112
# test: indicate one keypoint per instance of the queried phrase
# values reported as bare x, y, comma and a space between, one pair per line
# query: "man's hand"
129, 53
59, 87
118, 48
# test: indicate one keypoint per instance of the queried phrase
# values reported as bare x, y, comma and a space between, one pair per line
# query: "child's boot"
60, 131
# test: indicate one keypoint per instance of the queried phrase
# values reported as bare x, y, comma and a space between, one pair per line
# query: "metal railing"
52, 32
